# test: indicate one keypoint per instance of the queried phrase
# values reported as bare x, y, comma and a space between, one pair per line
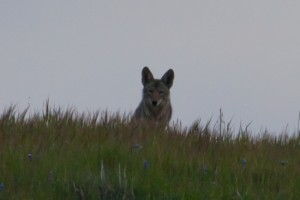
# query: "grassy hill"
62, 154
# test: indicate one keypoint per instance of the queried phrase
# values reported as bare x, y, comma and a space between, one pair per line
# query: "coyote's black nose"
154, 103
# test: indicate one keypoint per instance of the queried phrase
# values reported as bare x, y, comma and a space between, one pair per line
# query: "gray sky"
241, 56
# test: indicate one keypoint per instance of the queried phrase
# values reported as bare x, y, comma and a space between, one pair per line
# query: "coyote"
155, 105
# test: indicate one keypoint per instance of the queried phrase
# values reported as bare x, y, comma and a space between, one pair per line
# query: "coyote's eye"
161, 92
150, 91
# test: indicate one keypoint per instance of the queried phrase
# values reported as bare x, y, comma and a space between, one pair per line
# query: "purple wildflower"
30, 157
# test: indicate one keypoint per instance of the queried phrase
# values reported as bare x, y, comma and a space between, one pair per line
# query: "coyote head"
156, 92
155, 105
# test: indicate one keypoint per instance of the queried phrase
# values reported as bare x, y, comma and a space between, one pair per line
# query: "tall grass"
63, 154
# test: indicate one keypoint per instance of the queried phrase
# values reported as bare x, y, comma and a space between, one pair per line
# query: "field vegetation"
62, 154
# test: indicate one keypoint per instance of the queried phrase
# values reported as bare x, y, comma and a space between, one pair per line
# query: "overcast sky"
241, 56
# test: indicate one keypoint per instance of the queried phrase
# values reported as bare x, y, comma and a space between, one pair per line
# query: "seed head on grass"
102, 174
50, 176
122, 178
283, 163
205, 169
136, 147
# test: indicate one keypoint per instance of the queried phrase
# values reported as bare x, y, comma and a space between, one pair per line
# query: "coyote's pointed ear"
146, 76
168, 78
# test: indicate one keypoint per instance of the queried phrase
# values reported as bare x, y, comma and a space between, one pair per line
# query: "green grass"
104, 156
